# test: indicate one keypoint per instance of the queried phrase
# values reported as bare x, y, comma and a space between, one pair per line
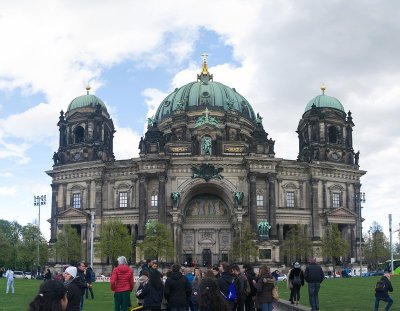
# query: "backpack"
231, 296
380, 286
296, 280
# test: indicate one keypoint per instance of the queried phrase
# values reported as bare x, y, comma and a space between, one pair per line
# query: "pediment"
73, 213
341, 215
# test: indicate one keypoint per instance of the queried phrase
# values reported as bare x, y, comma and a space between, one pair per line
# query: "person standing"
225, 280
177, 289
90, 277
52, 296
81, 281
47, 275
151, 293
73, 290
264, 284
241, 286
296, 281
122, 285
382, 289
314, 277
10, 280
250, 275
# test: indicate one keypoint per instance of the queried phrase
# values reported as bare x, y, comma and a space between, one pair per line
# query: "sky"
276, 54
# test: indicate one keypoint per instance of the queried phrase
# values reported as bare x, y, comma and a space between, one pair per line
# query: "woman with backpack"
296, 281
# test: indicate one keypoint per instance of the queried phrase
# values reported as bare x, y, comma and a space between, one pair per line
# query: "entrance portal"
206, 257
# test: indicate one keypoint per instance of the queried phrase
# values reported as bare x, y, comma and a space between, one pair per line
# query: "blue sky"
276, 54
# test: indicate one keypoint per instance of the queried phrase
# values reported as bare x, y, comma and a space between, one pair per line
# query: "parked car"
282, 277
28, 275
19, 275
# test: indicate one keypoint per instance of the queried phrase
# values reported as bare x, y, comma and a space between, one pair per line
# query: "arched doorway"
206, 230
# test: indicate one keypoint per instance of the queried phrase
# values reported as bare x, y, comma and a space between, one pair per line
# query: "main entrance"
206, 231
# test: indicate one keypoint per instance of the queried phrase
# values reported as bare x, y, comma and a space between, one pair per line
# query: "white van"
19, 275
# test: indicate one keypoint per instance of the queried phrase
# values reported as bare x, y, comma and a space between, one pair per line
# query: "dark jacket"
177, 290
151, 296
224, 281
81, 281
388, 288
88, 275
296, 272
73, 295
314, 273
250, 277
240, 286
265, 284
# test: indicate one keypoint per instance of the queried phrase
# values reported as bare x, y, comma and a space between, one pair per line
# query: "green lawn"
352, 294
25, 290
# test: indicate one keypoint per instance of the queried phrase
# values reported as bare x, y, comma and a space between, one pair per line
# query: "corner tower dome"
324, 101
87, 100
205, 92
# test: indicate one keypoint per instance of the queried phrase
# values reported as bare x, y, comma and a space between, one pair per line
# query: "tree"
6, 246
333, 245
115, 240
377, 248
158, 242
68, 245
297, 245
245, 246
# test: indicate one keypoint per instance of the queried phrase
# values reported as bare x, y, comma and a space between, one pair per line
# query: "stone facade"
203, 169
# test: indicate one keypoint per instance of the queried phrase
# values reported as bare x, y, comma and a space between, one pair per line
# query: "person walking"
296, 281
10, 280
90, 277
264, 284
122, 285
314, 277
177, 289
72, 284
52, 296
382, 289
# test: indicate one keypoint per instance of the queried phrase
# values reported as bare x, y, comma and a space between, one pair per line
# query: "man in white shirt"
10, 280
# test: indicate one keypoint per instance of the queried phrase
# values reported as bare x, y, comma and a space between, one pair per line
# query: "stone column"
142, 205
99, 197
53, 223
84, 242
280, 234
324, 205
301, 190
88, 195
272, 200
161, 199
64, 197
315, 209
266, 198
253, 201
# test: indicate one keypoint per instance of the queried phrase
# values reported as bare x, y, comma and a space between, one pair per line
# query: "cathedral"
206, 165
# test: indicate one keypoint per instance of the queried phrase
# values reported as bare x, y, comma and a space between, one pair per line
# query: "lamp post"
39, 200
91, 237
360, 198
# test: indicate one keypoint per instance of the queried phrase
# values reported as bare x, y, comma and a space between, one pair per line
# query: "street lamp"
360, 198
39, 200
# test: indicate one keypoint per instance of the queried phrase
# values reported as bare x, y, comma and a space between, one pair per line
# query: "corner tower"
86, 132
325, 132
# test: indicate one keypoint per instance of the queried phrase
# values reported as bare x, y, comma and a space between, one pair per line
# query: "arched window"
333, 134
79, 134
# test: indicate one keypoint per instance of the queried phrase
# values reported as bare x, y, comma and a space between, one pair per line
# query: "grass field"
352, 294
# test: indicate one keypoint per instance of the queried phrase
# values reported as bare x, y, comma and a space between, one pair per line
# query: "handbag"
275, 294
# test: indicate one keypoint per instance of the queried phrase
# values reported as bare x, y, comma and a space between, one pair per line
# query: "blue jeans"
266, 306
388, 300
313, 289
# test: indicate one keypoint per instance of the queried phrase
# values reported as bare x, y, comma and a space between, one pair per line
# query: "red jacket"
122, 279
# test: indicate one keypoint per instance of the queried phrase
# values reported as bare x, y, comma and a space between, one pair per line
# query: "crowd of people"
223, 288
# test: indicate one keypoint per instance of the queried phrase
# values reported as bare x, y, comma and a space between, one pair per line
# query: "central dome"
196, 96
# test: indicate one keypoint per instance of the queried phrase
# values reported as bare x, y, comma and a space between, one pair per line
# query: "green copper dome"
87, 100
324, 101
204, 93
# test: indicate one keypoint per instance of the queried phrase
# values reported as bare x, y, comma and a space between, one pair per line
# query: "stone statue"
150, 122
356, 157
238, 196
206, 146
263, 229
175, 197
56, 158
